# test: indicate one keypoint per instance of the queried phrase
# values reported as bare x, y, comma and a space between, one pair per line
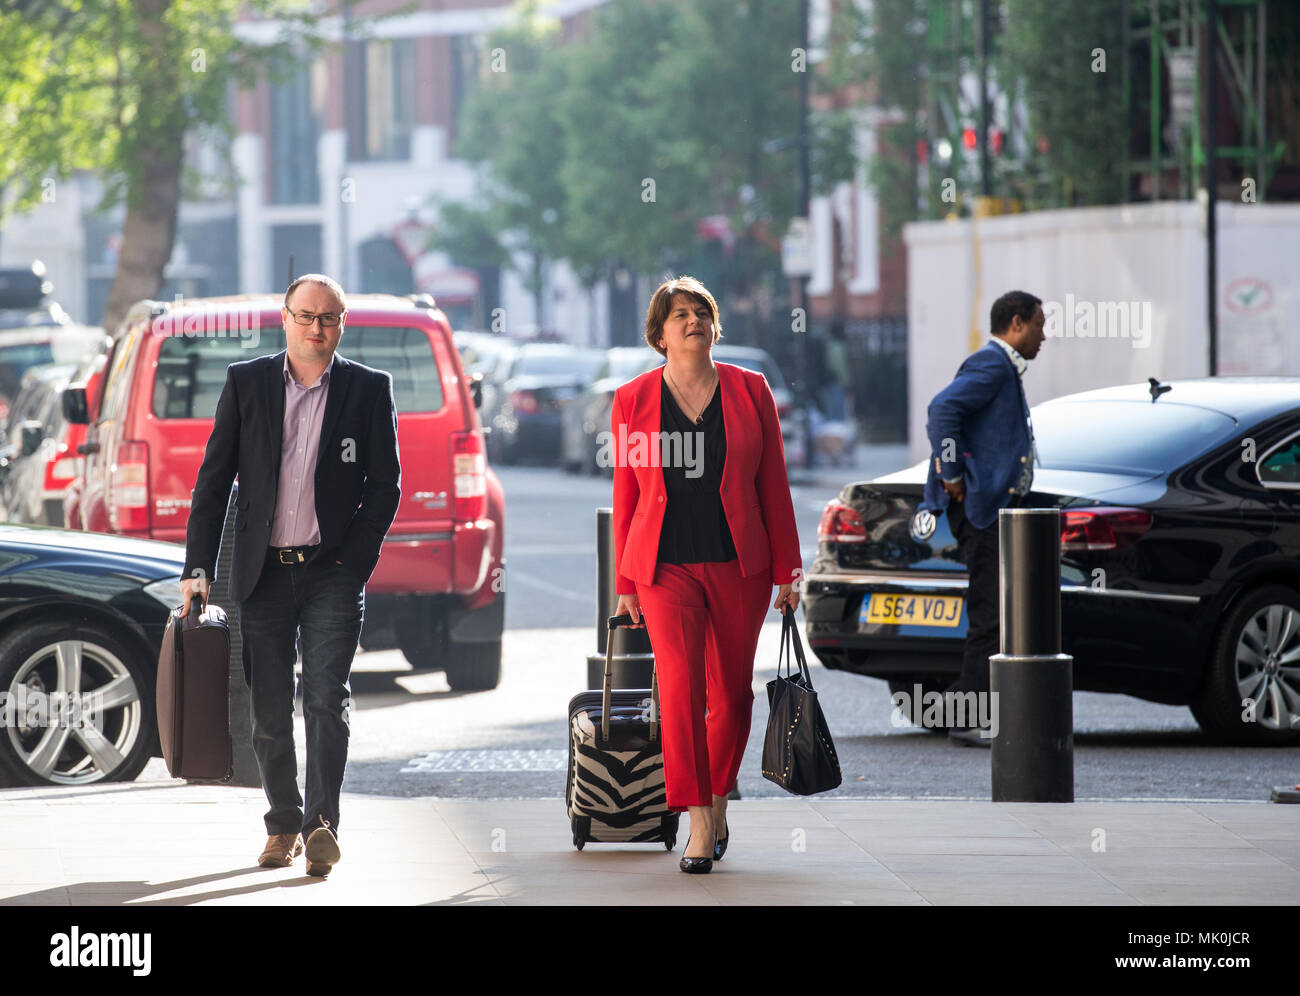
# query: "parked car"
588, 416
24, 302
22, 349
487, 357
84, 620
88, 379
30, 491
542, 380
753, 358
438, 591
1180, 556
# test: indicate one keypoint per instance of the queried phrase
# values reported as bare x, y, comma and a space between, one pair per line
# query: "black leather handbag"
798, 752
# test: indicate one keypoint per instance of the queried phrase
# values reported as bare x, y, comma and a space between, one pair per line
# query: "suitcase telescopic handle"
606, 685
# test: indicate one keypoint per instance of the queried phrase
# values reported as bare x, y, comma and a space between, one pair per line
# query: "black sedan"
81, 620
1180, 556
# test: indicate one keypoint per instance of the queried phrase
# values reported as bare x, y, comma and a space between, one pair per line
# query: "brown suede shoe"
322, 852
280, 850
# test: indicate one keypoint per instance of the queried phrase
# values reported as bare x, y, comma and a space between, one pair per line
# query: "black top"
695, 529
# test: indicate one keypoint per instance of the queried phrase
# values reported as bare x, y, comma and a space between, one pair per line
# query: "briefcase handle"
605, 690
197, 604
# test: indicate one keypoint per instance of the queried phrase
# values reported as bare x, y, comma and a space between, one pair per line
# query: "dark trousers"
979, 549
319, 607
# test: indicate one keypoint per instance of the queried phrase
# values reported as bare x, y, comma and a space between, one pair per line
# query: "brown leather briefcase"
193, 693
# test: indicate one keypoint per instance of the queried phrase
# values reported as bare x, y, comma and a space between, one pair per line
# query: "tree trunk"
155, 151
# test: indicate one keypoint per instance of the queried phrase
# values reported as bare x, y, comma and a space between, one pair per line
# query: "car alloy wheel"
1268, 666
1250, 693
75, 711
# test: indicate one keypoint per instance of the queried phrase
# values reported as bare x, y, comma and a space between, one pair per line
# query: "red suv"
438, 591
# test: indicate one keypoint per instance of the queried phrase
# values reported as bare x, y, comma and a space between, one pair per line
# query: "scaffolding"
1167, 38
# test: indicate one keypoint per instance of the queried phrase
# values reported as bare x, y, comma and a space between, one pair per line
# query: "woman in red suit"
703, 528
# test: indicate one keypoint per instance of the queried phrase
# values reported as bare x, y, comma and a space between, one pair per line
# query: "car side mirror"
33, 434
476, 389
76, 409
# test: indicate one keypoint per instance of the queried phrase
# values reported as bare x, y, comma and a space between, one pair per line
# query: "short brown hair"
324, 281
662, 302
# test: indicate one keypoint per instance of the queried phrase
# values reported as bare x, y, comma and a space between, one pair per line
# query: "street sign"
796, 249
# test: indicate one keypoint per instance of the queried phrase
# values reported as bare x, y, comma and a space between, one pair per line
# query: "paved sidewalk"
175, 844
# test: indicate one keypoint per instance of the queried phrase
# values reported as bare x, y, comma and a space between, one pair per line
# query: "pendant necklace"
699, 419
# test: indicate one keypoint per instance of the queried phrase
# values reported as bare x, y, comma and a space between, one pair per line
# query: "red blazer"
755, 489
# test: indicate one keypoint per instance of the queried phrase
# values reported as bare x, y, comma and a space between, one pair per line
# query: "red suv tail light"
62, 470
128, 488
524, 402
1102, 528
468, 476
840, 524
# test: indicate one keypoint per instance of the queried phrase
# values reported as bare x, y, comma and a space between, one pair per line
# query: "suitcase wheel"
581, 826
668, 827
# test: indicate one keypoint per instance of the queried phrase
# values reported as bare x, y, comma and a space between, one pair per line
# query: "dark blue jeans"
319, 606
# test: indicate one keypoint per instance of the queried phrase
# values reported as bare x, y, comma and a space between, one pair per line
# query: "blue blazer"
985, 415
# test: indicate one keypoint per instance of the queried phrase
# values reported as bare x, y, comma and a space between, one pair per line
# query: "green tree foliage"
611, 147
1054, 51
116, 86
883, 47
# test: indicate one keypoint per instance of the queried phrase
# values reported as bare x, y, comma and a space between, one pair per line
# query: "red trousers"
704, 621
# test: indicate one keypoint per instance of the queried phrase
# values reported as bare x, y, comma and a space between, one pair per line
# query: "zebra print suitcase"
615, 791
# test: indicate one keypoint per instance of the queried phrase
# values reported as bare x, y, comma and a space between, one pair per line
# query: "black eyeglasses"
307, 318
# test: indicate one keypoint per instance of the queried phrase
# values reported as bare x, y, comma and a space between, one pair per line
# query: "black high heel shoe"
697, 866
720, 845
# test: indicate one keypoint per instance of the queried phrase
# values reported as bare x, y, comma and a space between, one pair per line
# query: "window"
296, 109
466, 67
120, 365
1126, 437
192, 370
1280, 467
380, 79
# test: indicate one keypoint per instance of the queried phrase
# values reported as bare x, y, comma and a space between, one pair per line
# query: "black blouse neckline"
709, 410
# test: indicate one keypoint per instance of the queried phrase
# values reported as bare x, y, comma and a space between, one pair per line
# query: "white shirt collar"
1021, 364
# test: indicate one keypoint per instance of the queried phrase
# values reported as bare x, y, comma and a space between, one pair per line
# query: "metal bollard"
633, 662
1031, 680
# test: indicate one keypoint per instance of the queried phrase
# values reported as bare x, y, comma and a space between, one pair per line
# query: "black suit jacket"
358, 474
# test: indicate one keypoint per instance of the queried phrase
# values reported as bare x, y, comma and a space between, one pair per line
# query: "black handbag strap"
792, 648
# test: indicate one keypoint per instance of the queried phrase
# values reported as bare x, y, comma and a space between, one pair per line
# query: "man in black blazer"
313, 439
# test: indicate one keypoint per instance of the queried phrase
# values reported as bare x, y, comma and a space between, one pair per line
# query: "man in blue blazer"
982, 460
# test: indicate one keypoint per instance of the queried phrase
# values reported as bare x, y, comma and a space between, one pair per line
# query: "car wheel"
914, 712
105, 733
422, 653
474, 667
1251, 693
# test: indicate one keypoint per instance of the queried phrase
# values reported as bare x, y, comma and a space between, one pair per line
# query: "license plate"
912, 610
